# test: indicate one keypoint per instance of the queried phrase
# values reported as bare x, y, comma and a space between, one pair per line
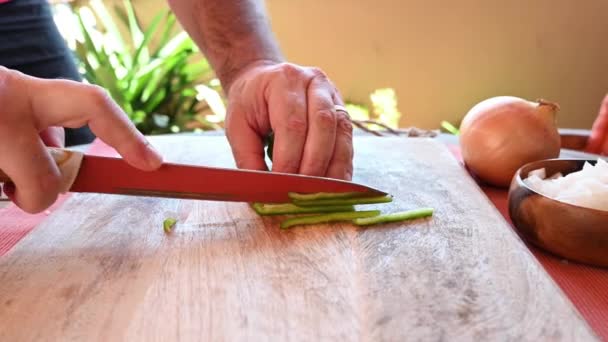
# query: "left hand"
297, 104
598, 142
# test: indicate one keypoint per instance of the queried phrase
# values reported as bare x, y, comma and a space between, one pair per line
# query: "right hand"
31, 107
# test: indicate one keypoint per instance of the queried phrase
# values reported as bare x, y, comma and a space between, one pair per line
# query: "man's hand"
298, 105
31, 109
598, 142
265, 94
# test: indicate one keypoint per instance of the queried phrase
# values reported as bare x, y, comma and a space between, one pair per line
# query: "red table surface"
585, 286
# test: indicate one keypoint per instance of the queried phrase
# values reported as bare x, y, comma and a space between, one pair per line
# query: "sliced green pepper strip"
395, 217
345, 201
168, 224
323, 195
289, 208
332, 217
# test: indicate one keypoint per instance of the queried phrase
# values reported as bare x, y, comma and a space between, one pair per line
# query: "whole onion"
501, 134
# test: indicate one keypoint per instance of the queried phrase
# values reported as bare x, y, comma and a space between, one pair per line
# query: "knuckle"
295, 100
99, 96
318, 73
345, 158
325, 119
291, 71
348, 174
287, 166
8, 79
5, 76
296, 126
316, 167
345, 126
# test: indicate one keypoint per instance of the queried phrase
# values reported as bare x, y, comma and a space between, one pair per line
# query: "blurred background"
410, 62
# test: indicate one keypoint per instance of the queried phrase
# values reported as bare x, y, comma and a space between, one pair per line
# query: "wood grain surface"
102, 269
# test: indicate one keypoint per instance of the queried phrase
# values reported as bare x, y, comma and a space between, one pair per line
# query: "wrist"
229, 78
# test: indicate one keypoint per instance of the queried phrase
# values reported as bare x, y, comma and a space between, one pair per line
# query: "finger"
341, 165
53, 137
87, 104
320, 140
288, 118
247, 146
598, 141
24, 158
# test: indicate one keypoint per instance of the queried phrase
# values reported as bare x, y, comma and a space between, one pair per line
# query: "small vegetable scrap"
395, 217
168, 224
307, 209
333, 217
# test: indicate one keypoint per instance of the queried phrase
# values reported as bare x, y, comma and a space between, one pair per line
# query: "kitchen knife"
95, 174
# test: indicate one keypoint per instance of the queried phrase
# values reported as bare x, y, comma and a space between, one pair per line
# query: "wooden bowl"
572, 232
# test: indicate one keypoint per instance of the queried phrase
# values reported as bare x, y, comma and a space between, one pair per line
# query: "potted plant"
157, 74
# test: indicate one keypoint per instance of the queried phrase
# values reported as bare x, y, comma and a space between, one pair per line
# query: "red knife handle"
68, 162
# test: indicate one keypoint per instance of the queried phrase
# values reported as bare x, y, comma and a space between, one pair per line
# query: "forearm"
231, 33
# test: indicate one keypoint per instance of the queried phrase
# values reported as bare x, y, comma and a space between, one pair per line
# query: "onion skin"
501, 134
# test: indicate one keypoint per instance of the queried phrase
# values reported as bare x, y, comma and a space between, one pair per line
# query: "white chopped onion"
586, 188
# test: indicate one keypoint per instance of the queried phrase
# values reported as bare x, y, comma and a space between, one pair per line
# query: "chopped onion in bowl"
586, 188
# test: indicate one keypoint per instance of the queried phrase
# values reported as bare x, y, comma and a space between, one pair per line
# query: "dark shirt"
31, 43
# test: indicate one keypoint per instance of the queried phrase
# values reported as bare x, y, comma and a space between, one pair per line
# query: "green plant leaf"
195, 70
181, 42
164, 69
155, 101
450, 128
98, 60
156, 91
166, 35
137, 36
105, 17
122, 15
140, 52
147, 37
91, 47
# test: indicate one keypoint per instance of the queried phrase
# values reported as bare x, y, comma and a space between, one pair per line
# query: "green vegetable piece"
168, 224
332, 217
289, 208
323, 196
345, 201
395, 217
450, 128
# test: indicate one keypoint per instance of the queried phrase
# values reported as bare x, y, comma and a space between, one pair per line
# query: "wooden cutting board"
102, 269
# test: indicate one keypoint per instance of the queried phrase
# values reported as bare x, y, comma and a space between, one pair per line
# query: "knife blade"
109, 175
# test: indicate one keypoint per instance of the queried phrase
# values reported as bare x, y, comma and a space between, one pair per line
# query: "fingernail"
153, 157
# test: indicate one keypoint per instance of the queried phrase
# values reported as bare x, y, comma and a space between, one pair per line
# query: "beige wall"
443, 56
